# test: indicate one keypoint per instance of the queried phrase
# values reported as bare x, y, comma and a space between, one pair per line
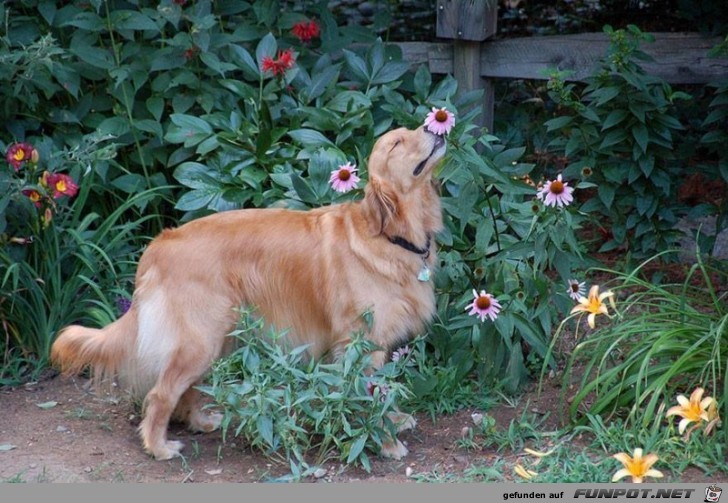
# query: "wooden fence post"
468, 23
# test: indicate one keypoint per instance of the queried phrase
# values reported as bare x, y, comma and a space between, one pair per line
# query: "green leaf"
558, 123
7, 447
265, 429
612, 138
83, 47
303, 189
606, 194
357, 66
357, 447
266, 48
132, 20
641, 136
246, 61
47, 405
195, 176
130, 183
155, 105
614, 118
150, 126
390, 72
115, 126
88, 21
197, 199
321, 81
189, 130
346, 101
605, 95
422, 81
310, 138
506, 158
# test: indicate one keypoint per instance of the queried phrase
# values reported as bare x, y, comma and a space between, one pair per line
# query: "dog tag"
424, 274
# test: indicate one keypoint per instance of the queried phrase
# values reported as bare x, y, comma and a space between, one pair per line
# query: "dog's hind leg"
189, 411
160, 403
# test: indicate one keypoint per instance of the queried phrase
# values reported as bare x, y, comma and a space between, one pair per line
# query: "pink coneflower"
439, 121
556, 193
373, 387
285, 61
575, 289
344, 179
400, 353
306, 31
484, 305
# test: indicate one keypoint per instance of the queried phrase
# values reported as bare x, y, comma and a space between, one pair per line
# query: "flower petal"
683, 401
620, 474
650, 460
654, 473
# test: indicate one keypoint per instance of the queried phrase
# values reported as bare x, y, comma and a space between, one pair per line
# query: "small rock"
465, 432
88, 469
33, 466
61, 429
320, 473
477, 418
408, 471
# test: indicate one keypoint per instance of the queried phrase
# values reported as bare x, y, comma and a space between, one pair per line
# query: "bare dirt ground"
55, 430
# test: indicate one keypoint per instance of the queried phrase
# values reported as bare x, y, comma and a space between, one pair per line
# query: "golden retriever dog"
313, 273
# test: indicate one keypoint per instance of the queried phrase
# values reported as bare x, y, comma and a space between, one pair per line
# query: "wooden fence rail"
678, 58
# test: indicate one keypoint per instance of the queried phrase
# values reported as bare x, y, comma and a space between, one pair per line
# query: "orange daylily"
637, 467
594, 304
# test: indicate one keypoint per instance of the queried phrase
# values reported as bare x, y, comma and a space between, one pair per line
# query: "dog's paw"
402, 420
169, 450
394, 449
205, 423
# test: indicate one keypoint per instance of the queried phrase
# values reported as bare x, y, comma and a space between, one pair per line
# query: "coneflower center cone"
556, 187
482, 302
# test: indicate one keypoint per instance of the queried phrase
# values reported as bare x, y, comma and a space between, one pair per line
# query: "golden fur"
313, 272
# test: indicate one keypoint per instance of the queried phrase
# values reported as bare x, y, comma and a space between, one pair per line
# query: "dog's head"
400, 172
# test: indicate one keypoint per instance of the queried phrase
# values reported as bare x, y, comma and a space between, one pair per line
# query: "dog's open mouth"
438, 145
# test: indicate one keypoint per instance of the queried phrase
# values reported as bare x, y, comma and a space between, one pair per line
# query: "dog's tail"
106, 351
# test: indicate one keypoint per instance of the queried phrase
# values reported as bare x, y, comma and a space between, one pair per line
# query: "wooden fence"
679, 58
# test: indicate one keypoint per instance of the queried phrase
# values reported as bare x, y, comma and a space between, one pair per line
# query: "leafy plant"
60, 263
669, 339
286, 405
620, 129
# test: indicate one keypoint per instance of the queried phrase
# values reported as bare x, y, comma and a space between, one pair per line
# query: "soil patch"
60, 432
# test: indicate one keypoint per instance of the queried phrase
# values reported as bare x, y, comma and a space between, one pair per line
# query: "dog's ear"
380, 203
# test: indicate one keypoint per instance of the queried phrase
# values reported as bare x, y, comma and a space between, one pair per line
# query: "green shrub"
201, 93
307, 412
621, 128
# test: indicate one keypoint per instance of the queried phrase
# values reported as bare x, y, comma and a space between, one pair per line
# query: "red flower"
306, 31
34, 196
19, 153
279, 66
62, 185
191, 52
